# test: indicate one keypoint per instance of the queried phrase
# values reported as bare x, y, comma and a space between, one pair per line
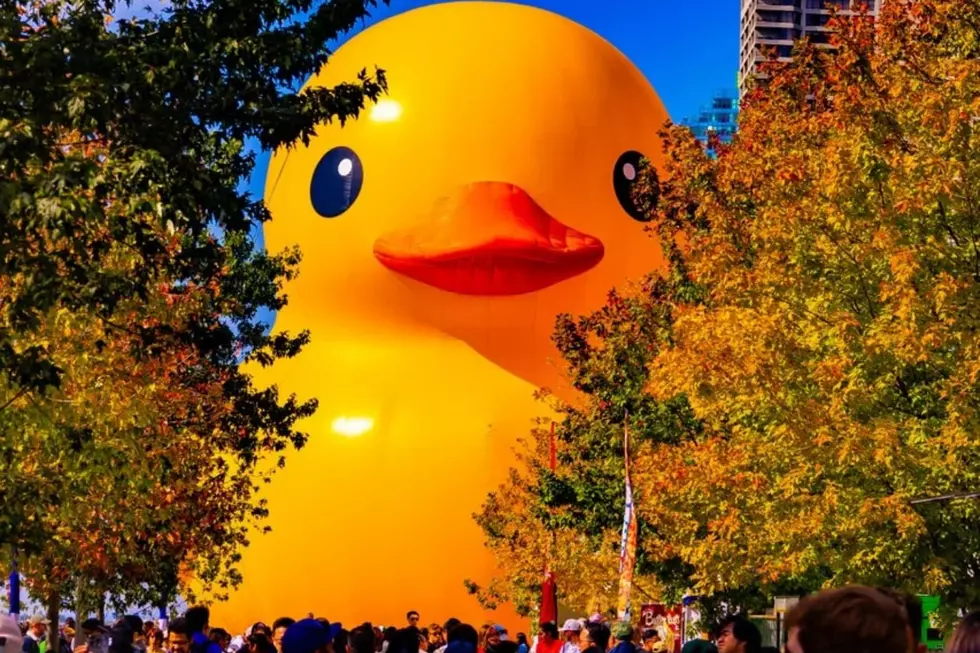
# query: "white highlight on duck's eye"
344, 167
629, 171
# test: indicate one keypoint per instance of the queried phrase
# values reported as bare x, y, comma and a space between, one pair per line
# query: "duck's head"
488, 192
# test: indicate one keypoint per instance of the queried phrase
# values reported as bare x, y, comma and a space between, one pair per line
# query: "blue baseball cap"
308, 636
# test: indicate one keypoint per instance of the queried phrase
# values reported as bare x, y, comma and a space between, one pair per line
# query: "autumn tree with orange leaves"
138, 473
819, 318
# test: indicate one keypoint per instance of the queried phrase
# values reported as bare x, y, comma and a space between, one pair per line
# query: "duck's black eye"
336, 182
626, 176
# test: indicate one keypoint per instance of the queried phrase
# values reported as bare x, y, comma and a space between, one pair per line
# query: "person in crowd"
650, 638
259, 639
150, 630
279, 627
847, 620
135, 625
571, 632
156, 641
493, 639
463, 633
622, 632
522, 645
966, 637
437, 638
699, 646
67, 635
198, 620
548, 639
413, 618
178, 636
598, 637
221, 637
309, 636
913, 614
122, 636
408, 640
95, 635
423, 641
391, 633
447, 627
238, 643
736, 634
340, 640
13, 639
363, 639
36, 629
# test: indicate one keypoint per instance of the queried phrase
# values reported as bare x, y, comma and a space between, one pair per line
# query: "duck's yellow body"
442, 232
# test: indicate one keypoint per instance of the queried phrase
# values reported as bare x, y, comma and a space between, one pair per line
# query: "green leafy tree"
570, 519
121, 170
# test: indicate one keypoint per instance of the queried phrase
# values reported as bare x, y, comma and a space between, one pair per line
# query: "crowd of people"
848, 620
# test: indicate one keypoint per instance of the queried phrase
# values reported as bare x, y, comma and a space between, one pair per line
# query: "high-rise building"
775, 24
719, 118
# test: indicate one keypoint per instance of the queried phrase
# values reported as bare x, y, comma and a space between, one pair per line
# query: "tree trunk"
81, 614
54, 632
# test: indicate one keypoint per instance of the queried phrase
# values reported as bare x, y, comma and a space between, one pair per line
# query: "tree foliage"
570, 519
817, 327
131, 286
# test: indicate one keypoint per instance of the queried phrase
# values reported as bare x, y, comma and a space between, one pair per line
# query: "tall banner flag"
549, 589
627, 550
13, 599
552, 453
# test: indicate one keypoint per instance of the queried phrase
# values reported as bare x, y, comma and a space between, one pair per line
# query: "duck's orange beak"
489, 238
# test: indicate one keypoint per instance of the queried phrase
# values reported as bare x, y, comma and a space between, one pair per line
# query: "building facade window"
718, 120
769, 26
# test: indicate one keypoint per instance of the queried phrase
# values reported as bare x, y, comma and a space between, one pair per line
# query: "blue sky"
687, 48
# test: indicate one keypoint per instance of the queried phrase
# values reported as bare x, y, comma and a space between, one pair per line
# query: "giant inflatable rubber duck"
441, 232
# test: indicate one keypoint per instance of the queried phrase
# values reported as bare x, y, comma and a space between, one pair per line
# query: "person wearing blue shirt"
198, 619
